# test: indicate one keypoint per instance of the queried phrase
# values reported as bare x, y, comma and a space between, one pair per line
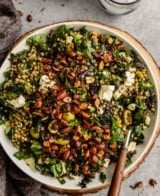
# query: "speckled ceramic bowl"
150, 134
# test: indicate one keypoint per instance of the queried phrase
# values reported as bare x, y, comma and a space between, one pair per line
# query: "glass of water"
119, 7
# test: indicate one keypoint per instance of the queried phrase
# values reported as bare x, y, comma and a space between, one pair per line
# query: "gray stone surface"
144, 24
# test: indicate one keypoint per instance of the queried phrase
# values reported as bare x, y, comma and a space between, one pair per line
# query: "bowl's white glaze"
150, 134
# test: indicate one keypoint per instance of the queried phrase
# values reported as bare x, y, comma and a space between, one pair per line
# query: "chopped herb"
102, 177
20, 155
39, 41
36, 147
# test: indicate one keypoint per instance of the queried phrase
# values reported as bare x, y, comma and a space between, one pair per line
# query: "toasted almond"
113, 146
101, 65
97, 102
110, 40
38, 104
67, 99
100, 153
97, 129
83, 106
77, 83
46, 144
107, 57
89, 79
71, 53
61, 95
85, 114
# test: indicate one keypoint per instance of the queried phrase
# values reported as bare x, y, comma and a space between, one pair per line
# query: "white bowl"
150, 134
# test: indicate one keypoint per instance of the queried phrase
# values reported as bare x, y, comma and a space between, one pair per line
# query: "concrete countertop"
144, 24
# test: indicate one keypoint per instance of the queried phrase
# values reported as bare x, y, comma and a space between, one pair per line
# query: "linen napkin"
10, 26
13, 182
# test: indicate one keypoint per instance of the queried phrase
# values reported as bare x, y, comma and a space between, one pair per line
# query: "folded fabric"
10, 26
13, 182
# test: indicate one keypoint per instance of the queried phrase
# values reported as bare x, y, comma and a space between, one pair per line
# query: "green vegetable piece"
83, 30
59, 169
91, 108
69, 116
114, 123
127, 117
77, 39
117, 135
47, 160
62, 141
146, 85
50, 128
128, 162
6, 74
20, 155
138, 135
102, 177
36, 148
73, 123
31, 163
27, 86
34, 133
2, 121
53, 171
12, 95
9, 131
139, 116
62, 30
61, 180
52, 161
84, 131
39, 41
40, 161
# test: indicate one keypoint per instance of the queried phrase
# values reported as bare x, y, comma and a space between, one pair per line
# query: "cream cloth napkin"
13, 182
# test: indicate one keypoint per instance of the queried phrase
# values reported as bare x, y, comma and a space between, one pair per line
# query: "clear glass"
119, 7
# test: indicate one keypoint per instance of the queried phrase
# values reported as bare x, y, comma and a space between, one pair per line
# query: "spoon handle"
118, 174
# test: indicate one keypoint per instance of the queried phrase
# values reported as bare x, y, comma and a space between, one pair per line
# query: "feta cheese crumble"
147, 120
106, 163
132, 147
18, 102
120, 91
129, 81
130, 78
45, 83
106, 92
131, 106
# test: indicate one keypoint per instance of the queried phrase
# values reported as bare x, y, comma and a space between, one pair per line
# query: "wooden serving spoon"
117, 178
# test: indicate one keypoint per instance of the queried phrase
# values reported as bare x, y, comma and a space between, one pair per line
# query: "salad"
68, 101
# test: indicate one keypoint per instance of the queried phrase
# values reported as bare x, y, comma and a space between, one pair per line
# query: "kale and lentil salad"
68, 100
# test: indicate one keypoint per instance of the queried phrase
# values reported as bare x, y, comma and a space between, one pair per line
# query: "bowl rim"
149, 60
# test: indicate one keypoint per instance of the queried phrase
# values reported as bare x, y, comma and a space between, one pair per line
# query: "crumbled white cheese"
131, 106
147, 120
106, 163
106, 92
129, 81
130, 78
69, 39
18, 102
132, 147
132, 69
45, 83
100, 110
122, 88
89, 80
